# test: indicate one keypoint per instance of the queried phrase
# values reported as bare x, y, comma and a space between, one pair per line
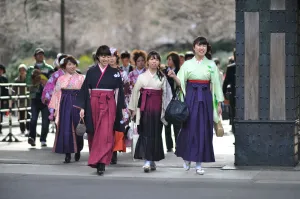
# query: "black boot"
114, 158
100, 169
68, 158
77, 156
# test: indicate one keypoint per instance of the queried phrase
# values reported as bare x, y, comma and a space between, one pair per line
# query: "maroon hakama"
101, 142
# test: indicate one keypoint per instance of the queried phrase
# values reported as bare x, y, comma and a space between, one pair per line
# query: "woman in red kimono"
101, 99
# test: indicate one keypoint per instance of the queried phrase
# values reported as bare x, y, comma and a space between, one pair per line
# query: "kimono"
150, 98
64, 95
132, 77
49, 88
120, 138
200, 83
102, 98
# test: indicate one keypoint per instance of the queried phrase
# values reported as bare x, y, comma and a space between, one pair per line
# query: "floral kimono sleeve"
55, 99
133, 103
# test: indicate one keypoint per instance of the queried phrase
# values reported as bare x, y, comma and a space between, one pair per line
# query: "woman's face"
140, 63
200, 50
170, 62
113, 61
153, 63
70, 68
104, 60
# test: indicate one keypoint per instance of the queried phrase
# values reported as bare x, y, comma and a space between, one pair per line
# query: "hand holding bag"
177, 111
81, 128
219, 129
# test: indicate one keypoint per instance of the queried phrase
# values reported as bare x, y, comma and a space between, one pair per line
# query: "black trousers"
1, 120
168, 134
36, 108
24, 125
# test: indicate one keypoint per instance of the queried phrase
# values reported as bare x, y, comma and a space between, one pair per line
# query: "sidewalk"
22, 153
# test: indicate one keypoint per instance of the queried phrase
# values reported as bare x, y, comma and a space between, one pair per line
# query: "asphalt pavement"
37, 173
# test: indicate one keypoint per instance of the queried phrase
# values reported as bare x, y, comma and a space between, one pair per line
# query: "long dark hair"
203, 41
156, 55
175, 58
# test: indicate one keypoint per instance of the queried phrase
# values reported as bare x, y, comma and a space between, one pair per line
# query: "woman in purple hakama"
66, 116
200, 82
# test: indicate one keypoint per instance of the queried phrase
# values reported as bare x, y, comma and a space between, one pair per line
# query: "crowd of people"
122, 88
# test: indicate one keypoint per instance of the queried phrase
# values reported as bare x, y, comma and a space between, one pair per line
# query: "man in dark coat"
229, 87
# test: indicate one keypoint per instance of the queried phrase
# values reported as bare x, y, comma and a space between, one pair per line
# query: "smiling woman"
64, 95
195, 77
102, 88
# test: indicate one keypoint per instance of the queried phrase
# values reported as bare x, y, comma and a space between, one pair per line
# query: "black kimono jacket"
110, 80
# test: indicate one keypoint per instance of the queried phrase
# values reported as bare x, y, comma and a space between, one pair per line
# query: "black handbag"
177, 111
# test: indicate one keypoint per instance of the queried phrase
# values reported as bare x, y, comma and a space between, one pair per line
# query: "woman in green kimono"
200, 83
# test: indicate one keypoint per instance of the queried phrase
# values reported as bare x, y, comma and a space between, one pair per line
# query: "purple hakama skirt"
66, 140
195, 140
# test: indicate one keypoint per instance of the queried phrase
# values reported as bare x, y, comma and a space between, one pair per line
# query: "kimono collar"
61, 71
140, 71
200, 61
102, 70
152, 75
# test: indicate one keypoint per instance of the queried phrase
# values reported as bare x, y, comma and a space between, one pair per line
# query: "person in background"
229, 86
23, 115
37, 85
66, 116
139, 59
181, 59
50, 85
126, 67
40, 64
188, 55
120, 138
173, 61
4, 92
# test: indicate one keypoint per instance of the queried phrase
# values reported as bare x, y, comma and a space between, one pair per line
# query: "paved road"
13, 186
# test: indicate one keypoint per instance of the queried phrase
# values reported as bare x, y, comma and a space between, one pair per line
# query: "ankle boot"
114, 158
100, 169
68, 158
77, 156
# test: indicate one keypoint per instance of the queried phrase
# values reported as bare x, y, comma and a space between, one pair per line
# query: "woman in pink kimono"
64, 95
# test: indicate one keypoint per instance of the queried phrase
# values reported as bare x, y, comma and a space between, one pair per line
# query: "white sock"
147, 163
198, 165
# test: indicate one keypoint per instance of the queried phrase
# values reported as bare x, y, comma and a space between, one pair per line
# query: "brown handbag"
219, 129
81, 128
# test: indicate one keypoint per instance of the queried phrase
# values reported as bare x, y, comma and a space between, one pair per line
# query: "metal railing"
13, 96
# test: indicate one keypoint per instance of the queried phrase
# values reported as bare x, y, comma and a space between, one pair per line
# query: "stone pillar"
267, 82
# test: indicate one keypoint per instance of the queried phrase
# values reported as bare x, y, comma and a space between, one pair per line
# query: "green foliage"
85, 62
